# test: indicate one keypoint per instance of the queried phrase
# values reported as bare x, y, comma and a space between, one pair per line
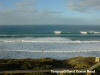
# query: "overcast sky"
40, 12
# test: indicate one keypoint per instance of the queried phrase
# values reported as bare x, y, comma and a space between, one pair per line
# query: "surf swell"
54, 34
46, 41
53, 51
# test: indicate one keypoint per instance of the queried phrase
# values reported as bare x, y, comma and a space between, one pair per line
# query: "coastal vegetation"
46, 64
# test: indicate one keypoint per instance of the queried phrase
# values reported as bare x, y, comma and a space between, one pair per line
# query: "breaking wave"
53, 51
46, 40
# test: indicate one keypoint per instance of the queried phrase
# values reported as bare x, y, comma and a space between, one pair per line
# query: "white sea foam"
45, 40
94, 32
54, 51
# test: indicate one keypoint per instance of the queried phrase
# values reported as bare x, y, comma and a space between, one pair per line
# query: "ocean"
43, 41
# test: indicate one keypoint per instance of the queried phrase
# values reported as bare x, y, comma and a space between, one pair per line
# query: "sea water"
38, 41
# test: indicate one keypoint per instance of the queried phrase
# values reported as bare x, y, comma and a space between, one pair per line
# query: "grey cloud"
27, 16
13, 18
25, 3
24, 14
84, 5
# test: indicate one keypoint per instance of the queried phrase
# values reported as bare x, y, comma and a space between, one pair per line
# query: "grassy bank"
47, 64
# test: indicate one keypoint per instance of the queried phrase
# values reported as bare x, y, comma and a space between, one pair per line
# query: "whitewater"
53, 47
